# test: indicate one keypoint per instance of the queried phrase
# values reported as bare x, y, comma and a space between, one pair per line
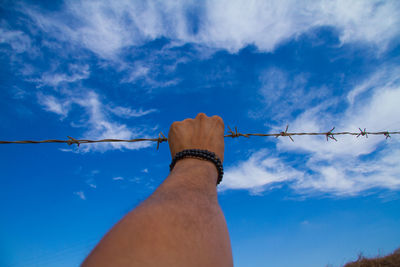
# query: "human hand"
200, 133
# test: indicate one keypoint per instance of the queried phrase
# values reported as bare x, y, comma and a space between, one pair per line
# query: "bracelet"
199, 154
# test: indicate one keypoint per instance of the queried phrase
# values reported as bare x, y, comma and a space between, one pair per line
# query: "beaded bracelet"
199, 154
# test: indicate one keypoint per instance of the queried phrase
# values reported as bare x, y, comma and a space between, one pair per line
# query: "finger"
188, 120
218, 119
174, 126
201, 116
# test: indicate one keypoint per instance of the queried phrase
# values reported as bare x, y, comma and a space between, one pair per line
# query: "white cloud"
138, 71
258, 173
80, 194
145, 170
149, 74
386, 76
347, 167
18, 41
368, 21
378, 111
113, 29
76, 73
18, 93
94, 172
126, 112
266, 24
283, 93
135, 180
156, 67
91, 181
339, 167
107, 27
352, 175
100, 126
68, 150
96, 121
55, 105
119, 178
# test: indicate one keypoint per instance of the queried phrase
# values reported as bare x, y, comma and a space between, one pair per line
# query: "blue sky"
127, 69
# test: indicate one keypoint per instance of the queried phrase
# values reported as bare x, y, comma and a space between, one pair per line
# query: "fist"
200, 133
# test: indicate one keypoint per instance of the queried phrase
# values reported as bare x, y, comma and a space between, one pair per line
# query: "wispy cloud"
110, 30
377, 110
91, 181
80, 194
156, 68
107, 27
347, 167
258, 173
55, 105
285, 93
115, 31
126, 112
135, 180
75, 73
352, 175
385, 77
100, 126
118, 178
268, 23
96, 121
17, 40
351, 166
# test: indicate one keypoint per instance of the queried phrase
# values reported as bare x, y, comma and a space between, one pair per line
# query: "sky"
128, 69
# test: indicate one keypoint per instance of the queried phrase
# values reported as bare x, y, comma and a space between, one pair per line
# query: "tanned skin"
181, 223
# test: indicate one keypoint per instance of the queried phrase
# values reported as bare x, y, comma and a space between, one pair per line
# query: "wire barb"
285, 133
161, 138
363, 133
72, 140
235, 134
329, 135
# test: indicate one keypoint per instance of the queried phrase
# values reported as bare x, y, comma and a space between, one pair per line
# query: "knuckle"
201, 115
174, 125
188, 120
218, 119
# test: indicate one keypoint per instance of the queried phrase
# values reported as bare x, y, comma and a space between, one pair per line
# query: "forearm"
180, 224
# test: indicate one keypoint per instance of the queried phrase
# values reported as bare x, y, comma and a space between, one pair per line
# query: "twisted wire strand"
233, 134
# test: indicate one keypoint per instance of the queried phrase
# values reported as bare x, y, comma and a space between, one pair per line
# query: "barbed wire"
233, 134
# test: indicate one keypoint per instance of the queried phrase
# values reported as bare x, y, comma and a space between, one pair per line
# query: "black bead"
200, 154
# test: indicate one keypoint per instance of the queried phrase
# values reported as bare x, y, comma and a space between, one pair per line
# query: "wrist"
202, 155
196, 170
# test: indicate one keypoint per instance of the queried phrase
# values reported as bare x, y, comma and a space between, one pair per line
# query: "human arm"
181, 223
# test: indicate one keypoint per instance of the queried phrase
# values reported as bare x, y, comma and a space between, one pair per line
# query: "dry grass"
391, 260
